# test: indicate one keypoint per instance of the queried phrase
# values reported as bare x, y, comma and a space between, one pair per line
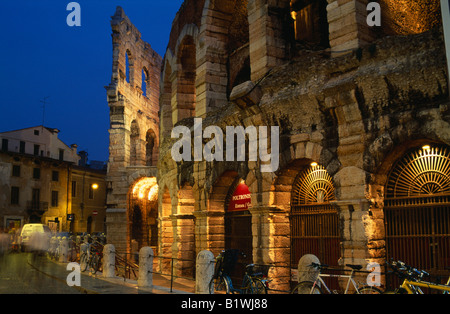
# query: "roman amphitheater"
363, 115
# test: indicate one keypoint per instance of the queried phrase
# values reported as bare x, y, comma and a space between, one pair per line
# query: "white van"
35, 237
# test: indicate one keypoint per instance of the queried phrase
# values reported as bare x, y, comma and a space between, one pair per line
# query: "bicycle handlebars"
403, 270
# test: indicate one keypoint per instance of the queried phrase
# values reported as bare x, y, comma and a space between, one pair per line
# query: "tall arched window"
128, 66
145, 82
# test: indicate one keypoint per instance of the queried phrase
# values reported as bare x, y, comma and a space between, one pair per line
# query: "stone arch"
186, 59
417, 208
314, 221
216, 210
406, 17
294, 159
142, 213
377, 190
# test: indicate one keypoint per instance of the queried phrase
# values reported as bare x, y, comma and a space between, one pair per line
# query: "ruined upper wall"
142, 59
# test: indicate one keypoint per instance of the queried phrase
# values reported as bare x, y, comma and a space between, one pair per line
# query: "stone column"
267, 44
348, 25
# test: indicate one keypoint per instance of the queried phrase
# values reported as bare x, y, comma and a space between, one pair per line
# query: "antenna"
44, 102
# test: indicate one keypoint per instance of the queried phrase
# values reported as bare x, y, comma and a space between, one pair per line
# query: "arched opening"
186, 91
151, 148
310, 23
145, 81
314, 222
417, 209
128, 66
234, 224
142, 214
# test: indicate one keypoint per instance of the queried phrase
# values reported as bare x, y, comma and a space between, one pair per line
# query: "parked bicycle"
91, 258
413, 279
319, 286
254, 281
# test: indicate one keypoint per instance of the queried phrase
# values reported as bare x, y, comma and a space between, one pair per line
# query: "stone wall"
134, 131
340, 111
353, 108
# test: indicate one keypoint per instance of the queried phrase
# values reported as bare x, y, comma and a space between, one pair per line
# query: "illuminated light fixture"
426, 147
95, 186
314, 164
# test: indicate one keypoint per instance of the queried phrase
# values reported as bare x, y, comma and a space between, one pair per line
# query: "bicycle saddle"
354, 267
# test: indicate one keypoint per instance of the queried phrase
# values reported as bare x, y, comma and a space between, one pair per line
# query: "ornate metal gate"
417, 209
314, 222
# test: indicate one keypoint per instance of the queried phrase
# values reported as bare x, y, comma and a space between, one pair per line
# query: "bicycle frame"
413, 287
323, 284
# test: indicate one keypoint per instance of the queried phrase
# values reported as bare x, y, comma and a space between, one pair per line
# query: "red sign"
95, 213
241, 199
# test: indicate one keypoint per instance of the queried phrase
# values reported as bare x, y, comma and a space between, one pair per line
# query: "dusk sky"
42, 56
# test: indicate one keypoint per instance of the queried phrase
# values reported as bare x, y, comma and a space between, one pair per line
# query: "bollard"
306, 273
109, 261
204, 272
63, 250
145, 279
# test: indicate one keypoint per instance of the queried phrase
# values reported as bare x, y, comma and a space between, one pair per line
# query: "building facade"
363, 118
133, 98
41, 182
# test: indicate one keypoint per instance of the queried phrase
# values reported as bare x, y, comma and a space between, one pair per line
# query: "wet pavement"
27, 273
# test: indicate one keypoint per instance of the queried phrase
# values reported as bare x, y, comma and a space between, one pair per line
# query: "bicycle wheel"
306, 287
219, 285
247, 286
84, 260
94, 264
258, 287
369, 290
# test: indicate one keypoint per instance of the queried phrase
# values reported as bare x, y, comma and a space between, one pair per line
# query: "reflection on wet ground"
19, 275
